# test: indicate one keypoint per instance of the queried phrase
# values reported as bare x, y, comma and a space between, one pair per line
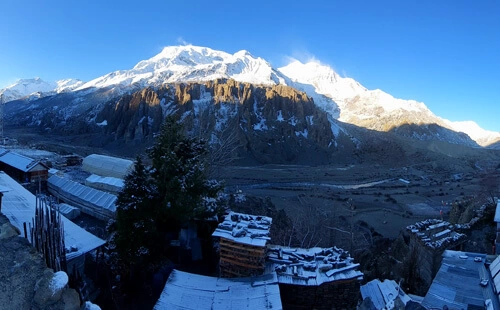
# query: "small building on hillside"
242, 242
18, 204
107, 166
316, 278
384, 294
429, 239
494, 269
191, 291
463, 282
23, 169
497, 221
90, 201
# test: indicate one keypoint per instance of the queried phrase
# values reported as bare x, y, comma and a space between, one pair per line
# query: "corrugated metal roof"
456, 284
190, 291
495, 266
383, 292
82, 195
18, 204
19, 162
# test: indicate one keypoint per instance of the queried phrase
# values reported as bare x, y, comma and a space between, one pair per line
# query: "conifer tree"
179, 172
134, 226
164, 197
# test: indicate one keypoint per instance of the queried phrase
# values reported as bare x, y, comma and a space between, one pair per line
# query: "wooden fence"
47, 234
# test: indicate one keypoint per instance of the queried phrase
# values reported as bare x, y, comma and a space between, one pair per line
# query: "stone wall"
334, 295
25, 280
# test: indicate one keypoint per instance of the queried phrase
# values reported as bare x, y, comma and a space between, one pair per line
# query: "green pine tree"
179, 172
159, 200
135, 228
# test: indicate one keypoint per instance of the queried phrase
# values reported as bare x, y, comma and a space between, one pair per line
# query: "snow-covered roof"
191, 291
457, 283
383, 293
109, 184
3, 151
19, 162
107, 166
68, 210
18, 204
91, 201
497, 213
311, 267
435, 233
244, 228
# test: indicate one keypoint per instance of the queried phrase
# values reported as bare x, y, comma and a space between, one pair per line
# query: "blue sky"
444, 53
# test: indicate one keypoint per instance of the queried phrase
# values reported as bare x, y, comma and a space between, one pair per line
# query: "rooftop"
18, 161
457, 283
497, 212
244, 228
191, 291
311, 267
18, 204
435, 233
383, 293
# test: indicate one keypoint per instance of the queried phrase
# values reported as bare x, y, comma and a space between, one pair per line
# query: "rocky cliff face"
26, 282
271, 124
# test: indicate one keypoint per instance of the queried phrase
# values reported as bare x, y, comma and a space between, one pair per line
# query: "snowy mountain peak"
189, 63
324, 79
36, 87
185, 55
343, 98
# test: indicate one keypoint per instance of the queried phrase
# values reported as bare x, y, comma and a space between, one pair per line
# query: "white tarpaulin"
108, 184
107, 166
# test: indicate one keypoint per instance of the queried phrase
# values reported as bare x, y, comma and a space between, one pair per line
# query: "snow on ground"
58, 282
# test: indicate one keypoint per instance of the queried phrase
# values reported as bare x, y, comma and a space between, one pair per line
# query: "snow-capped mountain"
478, 134
37, 88
342, 98
373, 109
191, 64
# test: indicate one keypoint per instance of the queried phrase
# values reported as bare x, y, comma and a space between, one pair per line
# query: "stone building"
242, 240
316, 278
428, 241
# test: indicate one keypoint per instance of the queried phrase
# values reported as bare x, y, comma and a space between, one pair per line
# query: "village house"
321, 278
429, 239
242, 241
192, 292
315, 278
18, 204
22, 168
464, 281
497, 234
93, 202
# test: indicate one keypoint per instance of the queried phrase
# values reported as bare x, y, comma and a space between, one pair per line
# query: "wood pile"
241, 260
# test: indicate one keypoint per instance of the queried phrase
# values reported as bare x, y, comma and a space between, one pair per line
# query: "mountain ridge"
343, 98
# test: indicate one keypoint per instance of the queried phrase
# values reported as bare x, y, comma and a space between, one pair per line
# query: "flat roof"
456, 284
245, 228
311, 267
18, 204
185, 290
